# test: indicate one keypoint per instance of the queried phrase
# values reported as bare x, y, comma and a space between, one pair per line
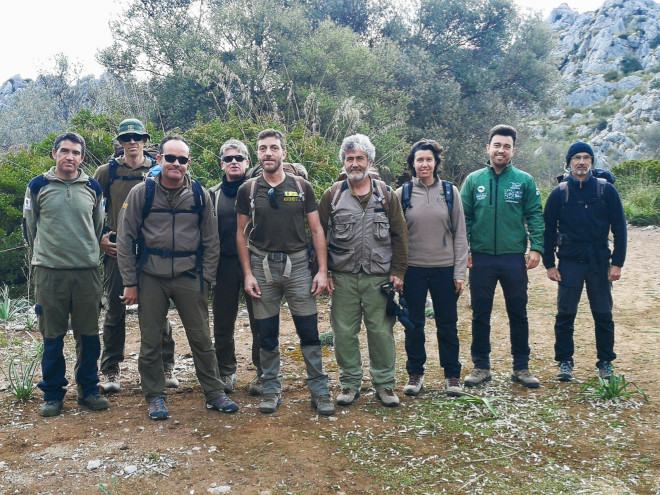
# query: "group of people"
165, 238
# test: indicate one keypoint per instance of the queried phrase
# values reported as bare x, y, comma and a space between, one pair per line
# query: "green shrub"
655, 42
638, 182
611, 76
630, 64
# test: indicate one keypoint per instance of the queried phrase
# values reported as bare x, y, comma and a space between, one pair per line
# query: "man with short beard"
272, 246
367, 248
503, 212
579, 214
117, 178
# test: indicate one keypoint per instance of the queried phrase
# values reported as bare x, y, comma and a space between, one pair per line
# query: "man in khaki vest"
367, 248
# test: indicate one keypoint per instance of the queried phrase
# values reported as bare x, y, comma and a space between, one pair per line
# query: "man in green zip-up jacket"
503, 214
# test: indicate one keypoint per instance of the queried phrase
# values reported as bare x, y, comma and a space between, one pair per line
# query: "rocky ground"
549, 440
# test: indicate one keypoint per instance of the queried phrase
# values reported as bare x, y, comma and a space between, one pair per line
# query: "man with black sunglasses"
234, 160
117, 178
168, 249
272, 247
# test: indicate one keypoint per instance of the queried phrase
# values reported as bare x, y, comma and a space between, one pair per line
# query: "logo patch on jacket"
481, 193
27, 205
124, 206
291, 196
514, 194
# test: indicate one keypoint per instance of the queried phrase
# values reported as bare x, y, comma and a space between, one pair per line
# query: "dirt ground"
297, 451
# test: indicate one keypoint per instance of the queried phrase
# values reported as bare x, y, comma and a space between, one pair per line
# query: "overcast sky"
34, 31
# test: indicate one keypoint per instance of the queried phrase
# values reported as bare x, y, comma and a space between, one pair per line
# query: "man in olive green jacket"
169, 220
63, 219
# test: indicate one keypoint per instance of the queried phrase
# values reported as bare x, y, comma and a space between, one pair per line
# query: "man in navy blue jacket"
579, 215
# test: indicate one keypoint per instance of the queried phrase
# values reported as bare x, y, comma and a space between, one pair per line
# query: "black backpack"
602, 176
142, 251
448, 189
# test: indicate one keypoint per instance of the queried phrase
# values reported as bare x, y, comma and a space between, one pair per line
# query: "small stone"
130, 469
219, 489
95, 464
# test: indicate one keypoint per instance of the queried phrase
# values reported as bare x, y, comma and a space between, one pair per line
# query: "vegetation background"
397, 71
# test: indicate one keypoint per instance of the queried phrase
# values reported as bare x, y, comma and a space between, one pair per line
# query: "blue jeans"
574, 275
440, 282
511, 272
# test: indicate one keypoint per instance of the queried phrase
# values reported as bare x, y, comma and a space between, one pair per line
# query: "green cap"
132, 126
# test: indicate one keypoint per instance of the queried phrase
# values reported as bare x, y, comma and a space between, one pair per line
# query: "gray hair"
234, 143
357, 142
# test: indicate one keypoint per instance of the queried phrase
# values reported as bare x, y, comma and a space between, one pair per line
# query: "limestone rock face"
609, 62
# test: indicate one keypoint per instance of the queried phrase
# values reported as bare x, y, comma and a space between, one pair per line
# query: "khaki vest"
359, 240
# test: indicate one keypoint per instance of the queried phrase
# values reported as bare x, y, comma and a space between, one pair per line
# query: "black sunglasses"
272, 198
126, 138
230, 158
172, 158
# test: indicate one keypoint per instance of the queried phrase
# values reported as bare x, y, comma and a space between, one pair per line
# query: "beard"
356, 175
270, 168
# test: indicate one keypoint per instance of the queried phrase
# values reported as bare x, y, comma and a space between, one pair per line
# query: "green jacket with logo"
502, 212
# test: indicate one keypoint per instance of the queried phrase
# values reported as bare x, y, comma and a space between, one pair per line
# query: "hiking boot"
257, 386
477, 377
158, 409
228, 382
347, 396
270, 403
171, 381
323, 404
525, 378
387, 397
605, 370
50, 408
110, 383
565, 371
415, 384
453, 386
94, 402
222, 403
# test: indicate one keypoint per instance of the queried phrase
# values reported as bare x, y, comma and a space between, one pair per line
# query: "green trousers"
192, 305
358, 296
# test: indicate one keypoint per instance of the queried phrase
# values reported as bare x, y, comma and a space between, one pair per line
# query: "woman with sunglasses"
437, 263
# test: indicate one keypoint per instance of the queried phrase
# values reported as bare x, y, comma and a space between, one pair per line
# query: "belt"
277, 258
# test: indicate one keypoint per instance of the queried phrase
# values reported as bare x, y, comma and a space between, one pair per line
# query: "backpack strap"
300, 184
600, 187
448, 189
383, 193
252, 192
142, 251
563, 188
406, 193
112, 176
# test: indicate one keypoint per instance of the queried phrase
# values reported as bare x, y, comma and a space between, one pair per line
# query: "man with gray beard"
367, 249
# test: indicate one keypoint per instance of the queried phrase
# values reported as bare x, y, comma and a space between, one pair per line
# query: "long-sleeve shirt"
164, 230
63, 221
584, 221
502, 211
431, 243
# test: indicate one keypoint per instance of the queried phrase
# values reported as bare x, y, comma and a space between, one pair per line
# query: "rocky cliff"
611, 78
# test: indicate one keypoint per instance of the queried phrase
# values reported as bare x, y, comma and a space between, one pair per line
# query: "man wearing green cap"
579, 215
117, 178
